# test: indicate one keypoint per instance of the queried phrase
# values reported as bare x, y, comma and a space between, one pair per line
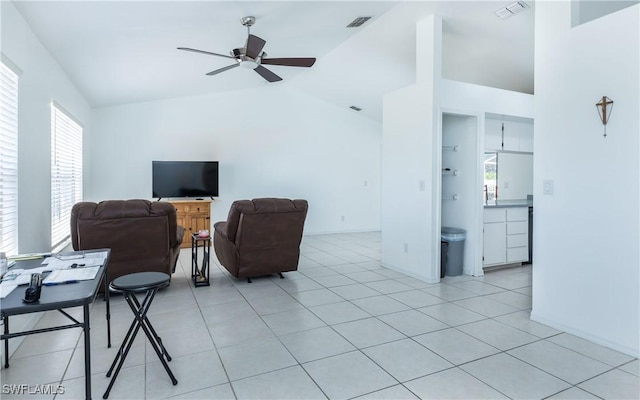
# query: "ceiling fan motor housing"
248, 21
244, 60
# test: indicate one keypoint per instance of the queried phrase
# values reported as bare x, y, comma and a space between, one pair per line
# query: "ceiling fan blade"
204, 52
228, 67
266, 74
254, 46
289, 62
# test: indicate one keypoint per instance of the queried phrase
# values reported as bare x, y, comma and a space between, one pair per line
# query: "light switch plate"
547, 186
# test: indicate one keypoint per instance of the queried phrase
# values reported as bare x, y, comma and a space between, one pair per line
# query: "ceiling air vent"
355, 108
511, 9
358, 22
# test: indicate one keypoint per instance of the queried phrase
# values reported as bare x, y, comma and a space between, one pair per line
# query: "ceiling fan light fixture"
248, 64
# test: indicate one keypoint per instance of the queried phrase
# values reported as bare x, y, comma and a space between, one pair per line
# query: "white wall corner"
411, 148
428, 76
429, 51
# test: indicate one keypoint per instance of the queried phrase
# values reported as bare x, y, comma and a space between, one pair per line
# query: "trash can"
455, 249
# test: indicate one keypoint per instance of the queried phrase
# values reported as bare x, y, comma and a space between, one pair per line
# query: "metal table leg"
6, 342
87, 353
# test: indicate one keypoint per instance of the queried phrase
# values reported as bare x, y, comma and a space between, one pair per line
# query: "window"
8, 160
490, 178
66, 174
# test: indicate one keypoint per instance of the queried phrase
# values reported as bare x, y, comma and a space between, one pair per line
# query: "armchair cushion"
261, 236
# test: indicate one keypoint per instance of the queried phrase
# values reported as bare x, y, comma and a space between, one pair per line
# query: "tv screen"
185, 178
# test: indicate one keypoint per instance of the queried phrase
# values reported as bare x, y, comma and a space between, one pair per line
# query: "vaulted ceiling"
125, 51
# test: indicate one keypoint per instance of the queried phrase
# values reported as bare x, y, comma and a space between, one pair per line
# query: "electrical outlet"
547, 186
342, 218
406, 247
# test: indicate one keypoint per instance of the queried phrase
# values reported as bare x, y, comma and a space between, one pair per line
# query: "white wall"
412, 158
409, 204
515, 176
476, 101
41, 82
272, 141
587, 10
407, 195
586, 236
461, 131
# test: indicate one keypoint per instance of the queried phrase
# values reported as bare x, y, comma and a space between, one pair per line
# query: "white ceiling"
120, 52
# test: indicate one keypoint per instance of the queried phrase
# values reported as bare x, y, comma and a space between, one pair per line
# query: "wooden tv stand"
193, 216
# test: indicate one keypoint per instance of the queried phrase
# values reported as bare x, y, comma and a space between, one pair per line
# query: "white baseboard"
584, 335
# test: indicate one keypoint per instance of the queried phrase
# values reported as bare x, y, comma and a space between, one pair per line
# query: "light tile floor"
341, 327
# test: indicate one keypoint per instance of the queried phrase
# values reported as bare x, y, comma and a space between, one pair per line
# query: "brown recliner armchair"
260, 237
143, 236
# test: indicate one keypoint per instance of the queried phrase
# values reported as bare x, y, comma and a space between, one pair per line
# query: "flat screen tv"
185, 179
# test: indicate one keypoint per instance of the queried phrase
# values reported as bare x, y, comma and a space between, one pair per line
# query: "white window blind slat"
66, 173
8, 160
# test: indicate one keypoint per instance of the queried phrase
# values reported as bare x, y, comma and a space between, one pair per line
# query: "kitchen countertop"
509, 203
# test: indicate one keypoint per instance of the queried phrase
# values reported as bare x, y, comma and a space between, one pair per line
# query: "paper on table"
99, 256
17, 277
6, 288
52, 264
62, 262
76, 274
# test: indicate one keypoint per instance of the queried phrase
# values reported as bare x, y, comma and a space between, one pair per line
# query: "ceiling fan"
252, 57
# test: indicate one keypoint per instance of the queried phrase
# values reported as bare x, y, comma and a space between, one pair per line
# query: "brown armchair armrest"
179, 234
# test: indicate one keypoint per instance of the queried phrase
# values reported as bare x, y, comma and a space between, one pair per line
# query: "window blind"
8, 160
66, 173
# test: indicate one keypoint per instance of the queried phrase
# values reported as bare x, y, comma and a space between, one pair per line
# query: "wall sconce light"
604, 110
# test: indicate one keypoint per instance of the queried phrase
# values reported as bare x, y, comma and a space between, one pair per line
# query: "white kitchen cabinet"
526, 138
506, 236
495, 245
517, 234
516, 136
511, 136
493, 134
494, 237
